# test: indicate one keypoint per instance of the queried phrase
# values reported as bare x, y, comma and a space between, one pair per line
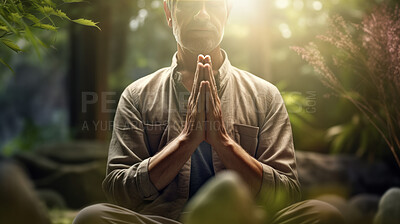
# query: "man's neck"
188, 61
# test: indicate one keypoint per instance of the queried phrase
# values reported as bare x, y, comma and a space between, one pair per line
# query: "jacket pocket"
154, 134
247, 137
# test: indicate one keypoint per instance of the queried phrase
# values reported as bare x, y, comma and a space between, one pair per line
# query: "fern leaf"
8, 66
32, 18
72, 1
11, 45
46, 26
86, 22
60, 14
46, 9
4, 28
8, 25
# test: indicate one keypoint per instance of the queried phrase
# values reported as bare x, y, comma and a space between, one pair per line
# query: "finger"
198, 77
210, 77
207, 60
202, 100
210, 103
200, 59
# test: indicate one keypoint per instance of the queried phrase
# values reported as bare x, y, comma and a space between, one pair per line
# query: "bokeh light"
317, 5
282, 4
285, 30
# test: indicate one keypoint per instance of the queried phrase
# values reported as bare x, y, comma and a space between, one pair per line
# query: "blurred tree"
93, 55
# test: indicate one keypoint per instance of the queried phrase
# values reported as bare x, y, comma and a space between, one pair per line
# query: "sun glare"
245, 6
282, 4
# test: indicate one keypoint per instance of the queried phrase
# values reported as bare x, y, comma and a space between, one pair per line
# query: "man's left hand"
216, 133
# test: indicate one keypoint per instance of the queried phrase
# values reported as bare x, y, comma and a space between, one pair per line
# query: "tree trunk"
88, 72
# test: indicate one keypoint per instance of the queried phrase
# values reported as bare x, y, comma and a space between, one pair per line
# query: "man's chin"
202, 49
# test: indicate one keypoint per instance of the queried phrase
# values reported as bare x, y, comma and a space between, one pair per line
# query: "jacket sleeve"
127, 181
280, 186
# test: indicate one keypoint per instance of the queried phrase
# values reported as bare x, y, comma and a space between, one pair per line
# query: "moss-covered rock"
224, 199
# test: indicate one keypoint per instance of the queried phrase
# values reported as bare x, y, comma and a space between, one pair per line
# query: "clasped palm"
204, 116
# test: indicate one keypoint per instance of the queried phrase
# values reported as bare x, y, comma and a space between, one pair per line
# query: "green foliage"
11, 45
33, 135
18, 19
24, 141
301, 108
358, 137
86, 22
4, 63
364, 69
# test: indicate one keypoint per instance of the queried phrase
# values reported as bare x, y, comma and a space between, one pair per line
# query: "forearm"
234, 157
165, 165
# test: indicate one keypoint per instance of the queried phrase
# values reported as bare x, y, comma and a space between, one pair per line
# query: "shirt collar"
220, 79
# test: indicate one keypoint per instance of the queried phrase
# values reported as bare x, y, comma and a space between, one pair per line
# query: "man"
176, 128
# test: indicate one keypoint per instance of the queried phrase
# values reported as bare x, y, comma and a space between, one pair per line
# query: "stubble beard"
199, 46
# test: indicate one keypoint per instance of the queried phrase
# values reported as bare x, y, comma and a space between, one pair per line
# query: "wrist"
224, 142
185, 140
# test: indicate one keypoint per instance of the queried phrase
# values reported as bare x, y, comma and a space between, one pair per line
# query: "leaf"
49, 2
33, 40
20, 7
86, 22
46, 26
60, 14
32, 18
72, 1
46, 9
11, 45
4, 28
8, 25
15, 17
8, 66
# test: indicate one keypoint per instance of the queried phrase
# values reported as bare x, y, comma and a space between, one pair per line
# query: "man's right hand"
194, 128
165, 165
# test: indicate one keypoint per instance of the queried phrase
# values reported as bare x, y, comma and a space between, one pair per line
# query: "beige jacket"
151, 112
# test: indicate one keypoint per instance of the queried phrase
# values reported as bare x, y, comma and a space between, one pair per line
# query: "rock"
74, 170
19, 203
52, 199
367, 206
389, 208
223, 199
343, 175
350, 214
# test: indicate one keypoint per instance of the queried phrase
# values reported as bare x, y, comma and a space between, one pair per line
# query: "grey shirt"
151, 112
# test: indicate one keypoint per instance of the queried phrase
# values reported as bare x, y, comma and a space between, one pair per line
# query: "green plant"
369, 55
19, 18
356, 136
301, 108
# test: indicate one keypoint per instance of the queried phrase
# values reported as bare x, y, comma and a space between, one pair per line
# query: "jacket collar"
221, 77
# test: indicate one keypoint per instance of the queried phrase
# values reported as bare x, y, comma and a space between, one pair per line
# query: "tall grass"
370, 53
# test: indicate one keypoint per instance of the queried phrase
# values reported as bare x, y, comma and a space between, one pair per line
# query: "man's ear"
167, 14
